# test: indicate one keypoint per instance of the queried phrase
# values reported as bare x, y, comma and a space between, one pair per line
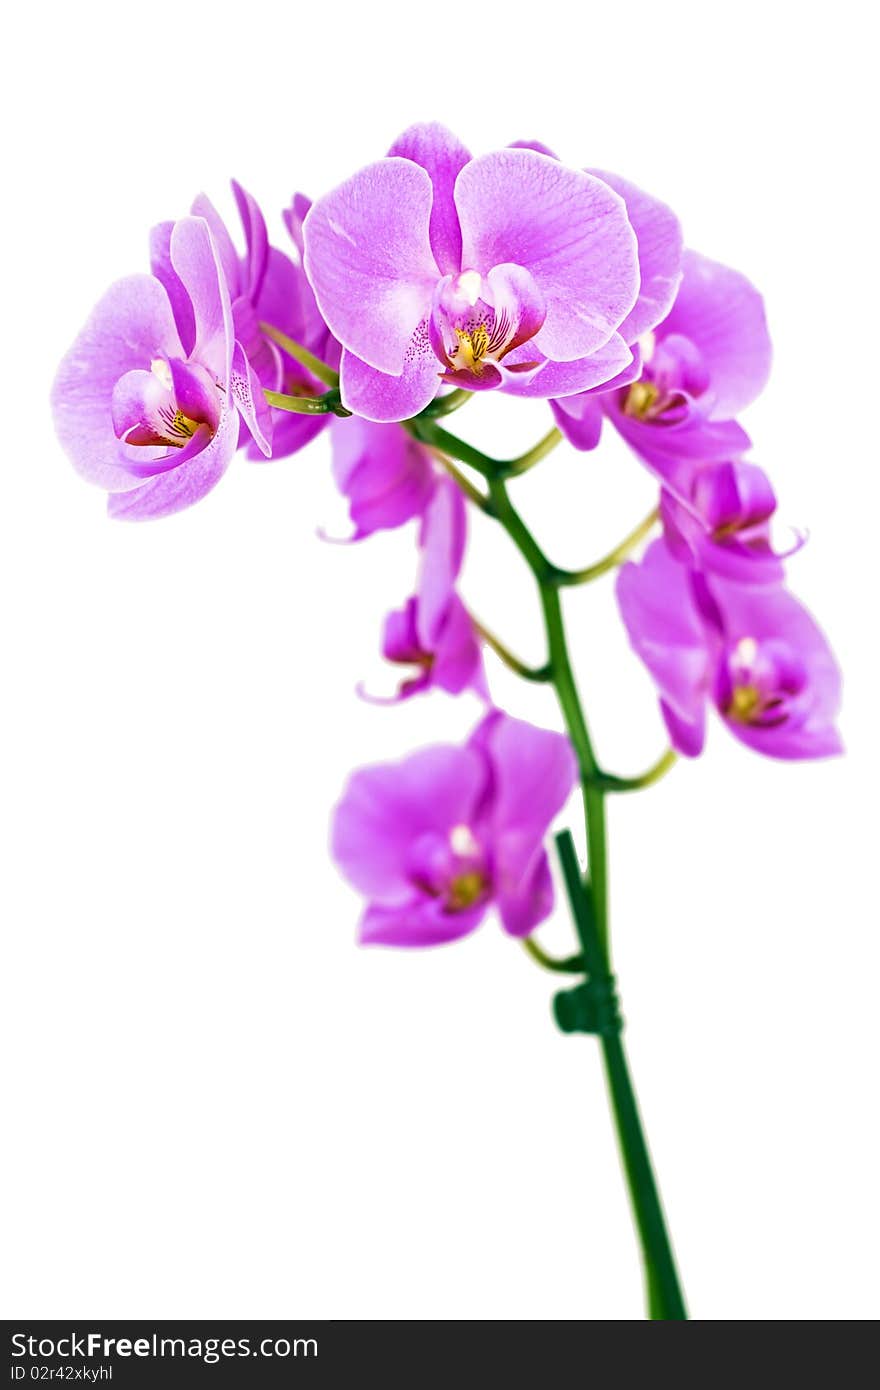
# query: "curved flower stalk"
421, 281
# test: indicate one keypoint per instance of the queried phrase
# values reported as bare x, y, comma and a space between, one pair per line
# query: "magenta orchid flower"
719, 521
752, 651
433, 632
151, 419
265, 286
288, 304
244, 277
435, 840
386, 475
707, 361
660, 248
508, 270
427, 275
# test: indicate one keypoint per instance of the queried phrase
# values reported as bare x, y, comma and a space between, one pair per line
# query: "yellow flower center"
641, 398
178, 428
473, 344
744, 702
465, 890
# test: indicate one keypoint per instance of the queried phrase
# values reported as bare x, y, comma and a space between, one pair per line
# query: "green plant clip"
591, 1007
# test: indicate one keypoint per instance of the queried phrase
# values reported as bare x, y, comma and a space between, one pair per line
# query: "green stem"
665, 1301
301, 355
572, 965
473, 493
445, 405
329, 403
299, 405
514, 467
528, 673
615, 557
428, 432
422, 427
646, 779
589, 908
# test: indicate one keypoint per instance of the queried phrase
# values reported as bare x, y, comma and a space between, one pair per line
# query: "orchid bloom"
435, 840
507, 270
719, 521
659, 245
265, 286
387, 477
433, 632
153, 419
752, 651
706, 361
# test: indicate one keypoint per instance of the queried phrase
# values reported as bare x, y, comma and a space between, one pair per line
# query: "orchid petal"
382, 398
195, 258
160, 265
369, 260
565, 227
131, 326
442, 156
185, 484
723, 314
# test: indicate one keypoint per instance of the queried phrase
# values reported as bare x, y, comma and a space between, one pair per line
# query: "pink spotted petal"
265, 358
382, 398
251, 404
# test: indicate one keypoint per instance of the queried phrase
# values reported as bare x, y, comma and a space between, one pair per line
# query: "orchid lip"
476, 320
764, 684
165, 407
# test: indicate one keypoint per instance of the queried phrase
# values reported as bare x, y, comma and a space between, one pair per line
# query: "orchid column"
424, 279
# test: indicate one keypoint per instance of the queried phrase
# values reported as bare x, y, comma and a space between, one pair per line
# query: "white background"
217, 1105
